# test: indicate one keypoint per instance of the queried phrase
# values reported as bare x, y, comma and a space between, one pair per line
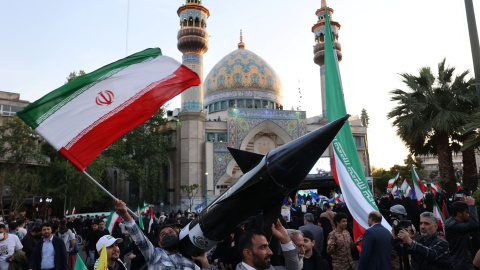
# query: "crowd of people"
320, 238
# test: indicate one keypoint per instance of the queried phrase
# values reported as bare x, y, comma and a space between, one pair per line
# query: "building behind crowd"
239, 104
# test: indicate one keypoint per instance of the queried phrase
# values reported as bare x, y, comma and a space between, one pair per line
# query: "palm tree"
428, 114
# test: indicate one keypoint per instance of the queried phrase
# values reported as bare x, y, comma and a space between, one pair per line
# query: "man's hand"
279, 232
121, 207
405, 237
202, 259
394, 236
470, 200
359, 239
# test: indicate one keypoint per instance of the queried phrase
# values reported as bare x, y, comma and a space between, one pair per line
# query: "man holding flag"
167, 255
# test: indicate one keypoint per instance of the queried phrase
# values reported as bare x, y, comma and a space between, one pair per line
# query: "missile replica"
265, 183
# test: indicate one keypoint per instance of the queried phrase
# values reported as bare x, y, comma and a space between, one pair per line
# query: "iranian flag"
84, 116
418, 186
438, 213
435, 188
73, 211
392, 181
112, 219
346, 167
408, 191
395, 191
404, 186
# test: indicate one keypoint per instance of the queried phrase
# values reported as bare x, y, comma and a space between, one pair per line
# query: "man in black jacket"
312, 259
50, 253
428, 250
463, 220
29, 242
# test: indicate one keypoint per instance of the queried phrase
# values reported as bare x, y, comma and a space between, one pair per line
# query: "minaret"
193, 43
319, 49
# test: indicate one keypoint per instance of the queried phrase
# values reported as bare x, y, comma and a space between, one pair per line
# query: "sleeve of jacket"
472, 224
432, 253
292, 262
63, 254
367, 249
34, 256
142, 242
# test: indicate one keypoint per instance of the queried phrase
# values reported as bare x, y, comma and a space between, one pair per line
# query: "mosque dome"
242, 79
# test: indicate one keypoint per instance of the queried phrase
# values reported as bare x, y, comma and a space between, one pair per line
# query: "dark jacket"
376, 247
317, 262
61, 256
459, 240
429, 254
29, 242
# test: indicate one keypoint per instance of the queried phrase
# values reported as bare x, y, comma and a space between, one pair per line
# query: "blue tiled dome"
242, 74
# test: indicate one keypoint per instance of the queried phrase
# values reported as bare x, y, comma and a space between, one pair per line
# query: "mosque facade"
239, 104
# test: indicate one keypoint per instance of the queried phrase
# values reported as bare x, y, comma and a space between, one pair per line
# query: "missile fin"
245, 160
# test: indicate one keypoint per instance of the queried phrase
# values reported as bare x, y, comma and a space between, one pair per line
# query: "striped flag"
395, 191
392, 181
418, 186
346, 166
73, 211
404, 186
152, 217
112, 219
459, 186
84, 116
435, 188
438, 213
408, 191
66, 213
140, 218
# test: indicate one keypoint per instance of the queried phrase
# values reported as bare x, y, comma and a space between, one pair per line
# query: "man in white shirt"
9, 243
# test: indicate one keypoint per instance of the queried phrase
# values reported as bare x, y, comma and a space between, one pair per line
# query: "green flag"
347, 168
140, 219
79, 265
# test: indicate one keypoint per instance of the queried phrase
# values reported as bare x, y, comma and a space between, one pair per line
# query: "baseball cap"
108, 240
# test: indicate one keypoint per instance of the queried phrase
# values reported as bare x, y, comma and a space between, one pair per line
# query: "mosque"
239, 104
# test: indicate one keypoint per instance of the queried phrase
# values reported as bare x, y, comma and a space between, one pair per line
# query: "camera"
401, 225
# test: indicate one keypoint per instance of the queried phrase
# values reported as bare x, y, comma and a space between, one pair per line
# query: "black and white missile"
265, 183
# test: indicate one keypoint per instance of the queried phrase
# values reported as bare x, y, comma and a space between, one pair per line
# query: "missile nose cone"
289, 164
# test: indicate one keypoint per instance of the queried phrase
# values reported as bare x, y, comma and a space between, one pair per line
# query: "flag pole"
106, 191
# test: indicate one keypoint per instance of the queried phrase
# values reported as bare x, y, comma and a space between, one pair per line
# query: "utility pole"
474, 44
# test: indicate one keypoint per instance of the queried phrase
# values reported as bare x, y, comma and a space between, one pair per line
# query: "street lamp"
206, 188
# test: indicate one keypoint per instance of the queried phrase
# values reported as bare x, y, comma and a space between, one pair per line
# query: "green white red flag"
84, 116
114, 217
346, 166
418, 186
392, 181
438, 213
404, 186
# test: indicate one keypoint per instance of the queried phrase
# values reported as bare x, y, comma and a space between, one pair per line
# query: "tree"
73, 75
428, 114
20, 148
191, 192
364, 117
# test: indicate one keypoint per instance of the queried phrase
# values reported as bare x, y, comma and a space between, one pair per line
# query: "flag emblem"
104, 98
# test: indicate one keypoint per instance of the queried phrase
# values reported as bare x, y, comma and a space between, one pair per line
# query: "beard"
300, 259
46, 235
261, 263
169, 242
